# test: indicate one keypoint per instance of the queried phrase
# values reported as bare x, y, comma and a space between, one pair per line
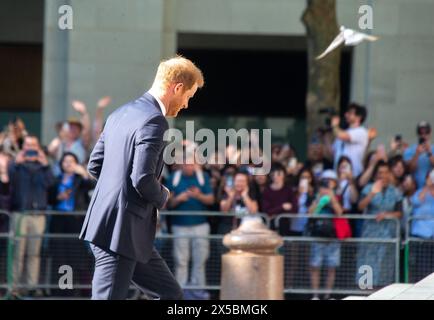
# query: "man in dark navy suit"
127, 161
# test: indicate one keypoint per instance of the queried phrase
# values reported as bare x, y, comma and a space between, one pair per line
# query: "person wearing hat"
328, 253
419, 157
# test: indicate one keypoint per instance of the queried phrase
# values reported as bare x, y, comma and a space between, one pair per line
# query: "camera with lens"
330, 112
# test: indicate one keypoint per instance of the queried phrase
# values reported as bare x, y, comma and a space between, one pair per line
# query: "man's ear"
179, 87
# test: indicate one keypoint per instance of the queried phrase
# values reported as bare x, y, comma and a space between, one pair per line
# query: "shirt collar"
160, 103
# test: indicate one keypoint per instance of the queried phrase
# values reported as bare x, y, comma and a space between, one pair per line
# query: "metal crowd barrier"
354, 254
418, 252
4, 239
60, 246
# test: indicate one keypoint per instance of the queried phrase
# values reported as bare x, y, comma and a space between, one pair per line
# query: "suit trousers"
114, 274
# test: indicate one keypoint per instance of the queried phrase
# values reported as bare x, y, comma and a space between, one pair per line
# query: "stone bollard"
252, 269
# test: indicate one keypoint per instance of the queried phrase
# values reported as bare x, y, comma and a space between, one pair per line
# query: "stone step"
422, 290
390, 292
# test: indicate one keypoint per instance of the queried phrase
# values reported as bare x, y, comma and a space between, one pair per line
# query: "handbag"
322, 228
342, 225
342, 228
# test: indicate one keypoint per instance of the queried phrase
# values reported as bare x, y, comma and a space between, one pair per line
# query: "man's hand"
104, 102
42, 158
20, 158
372, 133
79, 106
336, 120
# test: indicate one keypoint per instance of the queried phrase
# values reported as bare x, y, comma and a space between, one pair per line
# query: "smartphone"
421, 140
304, 184
324, 183
229, 181
251, 170
31, 153
292, 163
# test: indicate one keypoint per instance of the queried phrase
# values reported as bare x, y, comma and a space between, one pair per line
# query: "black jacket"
30, 183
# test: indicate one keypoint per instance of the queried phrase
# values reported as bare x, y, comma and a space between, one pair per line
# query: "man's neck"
160, 94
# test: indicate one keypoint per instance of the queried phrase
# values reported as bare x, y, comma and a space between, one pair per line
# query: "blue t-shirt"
68, 204
423, 164
423, 228
191, 204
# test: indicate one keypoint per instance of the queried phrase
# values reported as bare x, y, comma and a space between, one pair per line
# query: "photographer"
30, 178
326, 202
353, 141
419, 157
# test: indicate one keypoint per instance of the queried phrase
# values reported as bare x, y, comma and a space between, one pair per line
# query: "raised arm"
80, 107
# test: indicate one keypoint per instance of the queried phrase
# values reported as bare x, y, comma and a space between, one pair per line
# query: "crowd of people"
342, 174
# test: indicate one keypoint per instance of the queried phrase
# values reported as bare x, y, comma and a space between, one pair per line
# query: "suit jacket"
127, 160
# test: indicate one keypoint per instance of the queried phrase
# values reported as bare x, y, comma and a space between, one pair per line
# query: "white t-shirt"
353, 149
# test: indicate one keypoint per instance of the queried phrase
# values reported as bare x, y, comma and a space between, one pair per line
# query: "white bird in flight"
349, 37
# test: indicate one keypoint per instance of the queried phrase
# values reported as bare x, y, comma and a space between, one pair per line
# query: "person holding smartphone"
239, 199
325, 253
397, 146
30, 179
423, 228
419, 157
347, 188
190, 191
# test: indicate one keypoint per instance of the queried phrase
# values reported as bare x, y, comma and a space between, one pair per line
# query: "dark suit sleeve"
148, 146
96, 158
